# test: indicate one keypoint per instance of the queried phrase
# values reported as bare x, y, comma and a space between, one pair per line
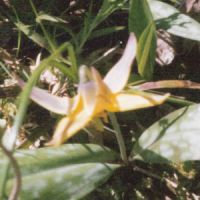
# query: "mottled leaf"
68, 171
34, 161
66, 182
170, 19
174, 138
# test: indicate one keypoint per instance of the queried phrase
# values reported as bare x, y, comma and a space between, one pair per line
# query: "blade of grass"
19, 32
64, 69
73, 61
5, 69
107, 8
105, 31
52, 45
180, 101
37, 38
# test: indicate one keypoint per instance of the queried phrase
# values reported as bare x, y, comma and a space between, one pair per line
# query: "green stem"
5, 168
16, 189
120, 139
19, 32
180, 101
5, 69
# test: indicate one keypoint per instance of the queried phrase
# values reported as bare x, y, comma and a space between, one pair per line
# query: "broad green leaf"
142, 24
146, 52
68, 171
174, 138
135, 79
139, 17
170, 19
35, 161
65, 182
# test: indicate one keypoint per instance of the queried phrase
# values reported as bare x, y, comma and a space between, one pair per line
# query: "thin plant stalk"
120, 139
43, 29
16, 189
19, 31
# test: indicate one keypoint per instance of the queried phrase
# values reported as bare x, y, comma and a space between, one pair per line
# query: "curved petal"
69, 126
87, 90
50, 102
33, 67
53, 103
134, 101
89, 97
105, 98
117, 77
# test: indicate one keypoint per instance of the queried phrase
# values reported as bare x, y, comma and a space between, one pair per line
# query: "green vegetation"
67, 133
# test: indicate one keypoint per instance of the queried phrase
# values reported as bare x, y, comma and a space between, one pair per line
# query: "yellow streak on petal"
69, 126
134, 101
105, 98
103, 115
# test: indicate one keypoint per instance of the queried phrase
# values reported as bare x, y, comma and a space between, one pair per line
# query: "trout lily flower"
95, 96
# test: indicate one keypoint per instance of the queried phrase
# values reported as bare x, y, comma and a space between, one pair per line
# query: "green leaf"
135, 79
69, 171
142, 24
38, 39
107, 8
174, 138
49, 18
146, 52
105, 31
175, 1
34, 161
139, 17
66, 182
170, 19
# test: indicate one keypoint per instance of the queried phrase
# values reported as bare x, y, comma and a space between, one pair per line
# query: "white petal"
117, 77
87, 89
50, 102
89, 97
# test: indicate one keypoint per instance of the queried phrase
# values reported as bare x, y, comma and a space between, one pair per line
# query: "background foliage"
162, 143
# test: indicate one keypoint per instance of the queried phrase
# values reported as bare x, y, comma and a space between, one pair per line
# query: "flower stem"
15, 166
120, 139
